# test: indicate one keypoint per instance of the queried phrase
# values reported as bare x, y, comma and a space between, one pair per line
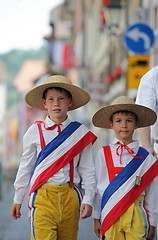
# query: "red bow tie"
53, 127
121, 146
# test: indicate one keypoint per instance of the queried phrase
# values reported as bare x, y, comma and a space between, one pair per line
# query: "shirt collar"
48, 122
131, 145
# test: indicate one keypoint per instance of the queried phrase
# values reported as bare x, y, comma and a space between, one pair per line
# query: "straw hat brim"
34, 97
146, 116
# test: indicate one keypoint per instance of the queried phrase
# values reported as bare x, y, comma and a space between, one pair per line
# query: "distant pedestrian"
1, 180
56, 154
126, 203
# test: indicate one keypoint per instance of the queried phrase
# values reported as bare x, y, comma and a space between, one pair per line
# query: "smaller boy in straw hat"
126, 205
56, 153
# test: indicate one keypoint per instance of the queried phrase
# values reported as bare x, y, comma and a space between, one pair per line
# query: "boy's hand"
151, 233
15, 211
97, 227
151, 150
85, 211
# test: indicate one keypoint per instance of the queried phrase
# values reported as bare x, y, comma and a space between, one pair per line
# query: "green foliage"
13, 61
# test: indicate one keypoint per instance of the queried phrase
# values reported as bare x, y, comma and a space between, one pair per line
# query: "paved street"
11, 229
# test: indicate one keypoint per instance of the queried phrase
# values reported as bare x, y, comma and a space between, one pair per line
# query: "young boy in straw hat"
126, 203
56, 153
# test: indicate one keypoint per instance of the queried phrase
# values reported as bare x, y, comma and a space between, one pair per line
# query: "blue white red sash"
60, 151
122, 191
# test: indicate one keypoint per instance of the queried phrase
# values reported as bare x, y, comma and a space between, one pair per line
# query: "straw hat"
79, 97
146, 116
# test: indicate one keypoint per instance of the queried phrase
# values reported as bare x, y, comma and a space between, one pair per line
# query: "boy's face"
124, 125
57, 104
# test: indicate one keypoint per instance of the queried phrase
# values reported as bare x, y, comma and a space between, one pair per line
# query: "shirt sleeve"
97, 206
87, 172
151, 203
146, 94
26, 165
102, 181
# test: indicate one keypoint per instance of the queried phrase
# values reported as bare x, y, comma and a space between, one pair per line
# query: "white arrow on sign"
136, 34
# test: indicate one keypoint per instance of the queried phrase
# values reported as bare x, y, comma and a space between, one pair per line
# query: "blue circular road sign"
139, 38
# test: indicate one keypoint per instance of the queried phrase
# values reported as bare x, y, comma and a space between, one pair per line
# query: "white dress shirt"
83, 164
102, 180
147, 96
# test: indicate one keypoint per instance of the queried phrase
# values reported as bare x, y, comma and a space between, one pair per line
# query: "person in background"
1, 180
56, 154
147, 95
126, 205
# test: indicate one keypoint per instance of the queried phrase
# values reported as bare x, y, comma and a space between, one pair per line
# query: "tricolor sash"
122, 191
59, 152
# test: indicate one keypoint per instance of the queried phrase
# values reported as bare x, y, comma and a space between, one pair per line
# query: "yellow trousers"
131, 225
55, 213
